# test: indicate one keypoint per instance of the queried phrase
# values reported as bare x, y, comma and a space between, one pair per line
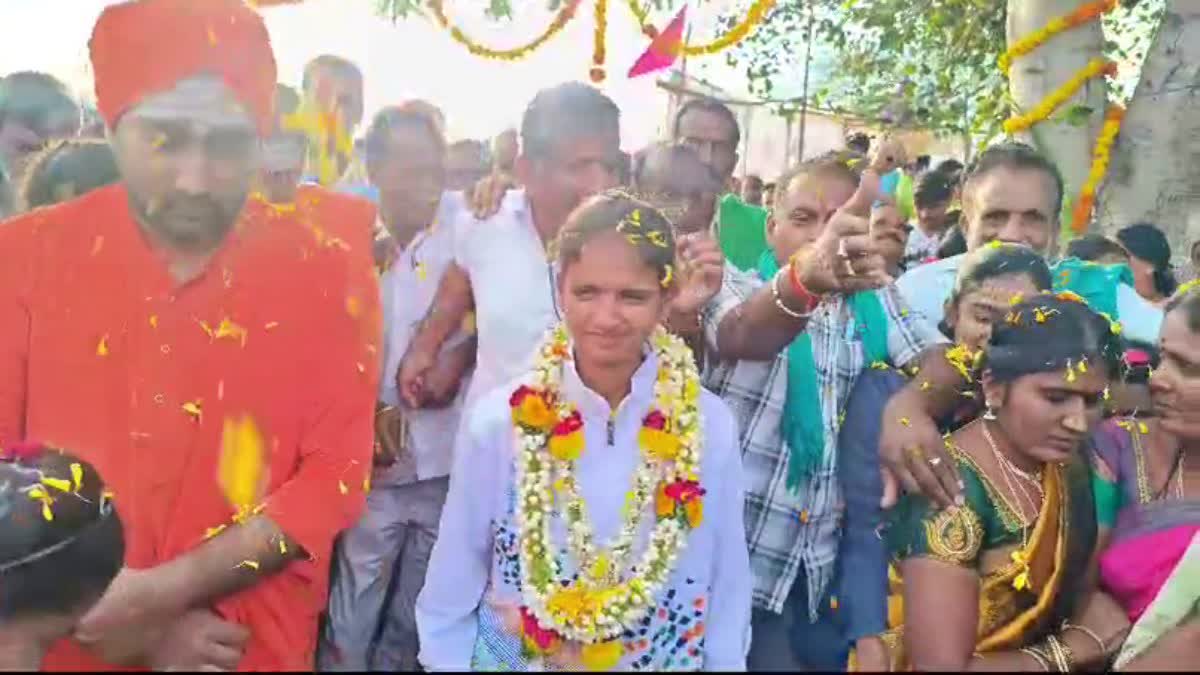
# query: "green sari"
1019, 604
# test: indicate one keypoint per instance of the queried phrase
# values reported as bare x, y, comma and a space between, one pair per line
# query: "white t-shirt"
513, 284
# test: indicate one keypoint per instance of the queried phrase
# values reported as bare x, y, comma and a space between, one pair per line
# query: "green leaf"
1076, 115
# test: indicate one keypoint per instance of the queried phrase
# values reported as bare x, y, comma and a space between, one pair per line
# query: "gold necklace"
1009, 470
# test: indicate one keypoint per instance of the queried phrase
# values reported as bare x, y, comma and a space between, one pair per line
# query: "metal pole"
807, 67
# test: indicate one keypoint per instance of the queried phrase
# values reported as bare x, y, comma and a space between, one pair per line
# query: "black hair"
1093, 247
336, 63
949, 167
932, 189
397, 116
644, 227
838, 164
859, 142
922, 162
1016, 156
30, 97
61, 542
1048, 332
564, 112
954, 243
1138, 373
709, 105
68, 169
992, 261
1147, 242
1187, 298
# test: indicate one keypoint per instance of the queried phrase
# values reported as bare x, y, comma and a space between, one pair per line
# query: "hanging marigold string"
1101, 155
1084, 14
564, 16
598, 47
754, 16
1044, 109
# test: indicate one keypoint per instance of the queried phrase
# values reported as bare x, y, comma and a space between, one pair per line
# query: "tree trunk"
1038, 74
1155, 171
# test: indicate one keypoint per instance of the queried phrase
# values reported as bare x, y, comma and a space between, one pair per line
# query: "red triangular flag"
664, 49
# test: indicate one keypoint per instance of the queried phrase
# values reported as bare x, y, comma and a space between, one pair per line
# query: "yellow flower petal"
283, 549
77, 475
211, 532
46, 512
59, 484
252, 564
102, 346
154, 321
242, 468
342, 488
602, 656
192, 408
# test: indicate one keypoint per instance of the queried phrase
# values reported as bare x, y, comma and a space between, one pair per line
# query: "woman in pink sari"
1147, 487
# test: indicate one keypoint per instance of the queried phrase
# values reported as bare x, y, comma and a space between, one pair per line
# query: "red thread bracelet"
809, 300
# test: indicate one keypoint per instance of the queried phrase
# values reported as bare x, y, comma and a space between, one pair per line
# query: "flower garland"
598, 47
605, 599
1083, 14
564, 15
1090, 11
754, 16
1058, 97
1101, 155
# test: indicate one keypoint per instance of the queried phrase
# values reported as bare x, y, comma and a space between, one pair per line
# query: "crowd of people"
273, 398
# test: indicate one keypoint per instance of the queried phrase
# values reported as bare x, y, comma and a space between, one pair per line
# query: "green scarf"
1093, 282
803, 424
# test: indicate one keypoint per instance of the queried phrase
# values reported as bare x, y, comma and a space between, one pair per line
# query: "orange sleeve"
16, 279
328, 490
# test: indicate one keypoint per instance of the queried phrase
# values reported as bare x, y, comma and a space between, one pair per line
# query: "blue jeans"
788, 642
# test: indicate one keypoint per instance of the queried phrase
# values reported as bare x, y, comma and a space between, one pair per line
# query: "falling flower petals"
252, 564
102, 346
192, 408
342, 487
77, 475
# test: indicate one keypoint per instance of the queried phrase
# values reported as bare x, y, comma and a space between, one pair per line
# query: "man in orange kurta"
144, 324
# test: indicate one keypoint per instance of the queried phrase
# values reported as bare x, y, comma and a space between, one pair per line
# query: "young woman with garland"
594, 518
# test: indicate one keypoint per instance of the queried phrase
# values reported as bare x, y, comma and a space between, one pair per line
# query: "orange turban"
145, 47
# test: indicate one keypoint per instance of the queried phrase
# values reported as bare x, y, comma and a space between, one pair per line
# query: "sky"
411, 59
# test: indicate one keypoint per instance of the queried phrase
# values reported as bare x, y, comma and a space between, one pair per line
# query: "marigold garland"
754, 16
598, 47
605, 597
1083, 14
564, 16
1046, 107
1101, 155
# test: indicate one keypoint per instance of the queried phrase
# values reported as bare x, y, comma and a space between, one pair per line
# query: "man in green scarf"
790, 339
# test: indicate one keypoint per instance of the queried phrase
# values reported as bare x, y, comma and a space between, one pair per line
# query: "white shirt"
407, 290
474, 567
513, 284
926, 288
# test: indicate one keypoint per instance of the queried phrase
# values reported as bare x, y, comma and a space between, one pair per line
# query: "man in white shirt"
1012, 194
570, 149
406, 162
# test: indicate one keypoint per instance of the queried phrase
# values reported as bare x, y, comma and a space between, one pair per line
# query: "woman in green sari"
1000, 582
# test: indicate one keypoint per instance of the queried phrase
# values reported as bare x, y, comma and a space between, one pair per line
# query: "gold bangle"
778, 297
1090, 633
1036, 656
1060, 653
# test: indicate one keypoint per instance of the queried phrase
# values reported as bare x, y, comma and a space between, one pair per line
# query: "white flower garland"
606, 598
